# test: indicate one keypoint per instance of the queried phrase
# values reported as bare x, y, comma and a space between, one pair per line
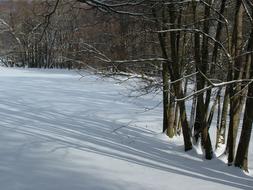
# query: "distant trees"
64, 39
204, 44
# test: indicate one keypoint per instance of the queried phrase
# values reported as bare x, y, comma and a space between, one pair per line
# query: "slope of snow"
62, 133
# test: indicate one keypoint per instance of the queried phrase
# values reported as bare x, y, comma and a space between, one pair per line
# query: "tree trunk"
165, 70
165, 74
221, 138
176, 120
171, 116
235, 98
241, 159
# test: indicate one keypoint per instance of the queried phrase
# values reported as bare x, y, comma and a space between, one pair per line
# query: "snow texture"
62, 133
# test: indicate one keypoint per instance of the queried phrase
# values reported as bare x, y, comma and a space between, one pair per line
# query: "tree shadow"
131, 144
62, 122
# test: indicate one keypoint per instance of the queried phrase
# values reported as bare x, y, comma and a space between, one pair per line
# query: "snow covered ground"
62, 133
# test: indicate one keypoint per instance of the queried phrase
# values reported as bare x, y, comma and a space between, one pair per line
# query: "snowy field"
62, 133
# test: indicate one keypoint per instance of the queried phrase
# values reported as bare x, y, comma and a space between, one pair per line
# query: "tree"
241, 159
235, 74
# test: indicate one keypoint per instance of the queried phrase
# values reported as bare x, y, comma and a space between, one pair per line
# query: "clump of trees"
204, 43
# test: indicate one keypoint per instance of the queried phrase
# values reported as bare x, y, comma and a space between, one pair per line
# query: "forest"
197, 53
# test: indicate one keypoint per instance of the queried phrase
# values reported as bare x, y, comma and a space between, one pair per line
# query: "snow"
62, 132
